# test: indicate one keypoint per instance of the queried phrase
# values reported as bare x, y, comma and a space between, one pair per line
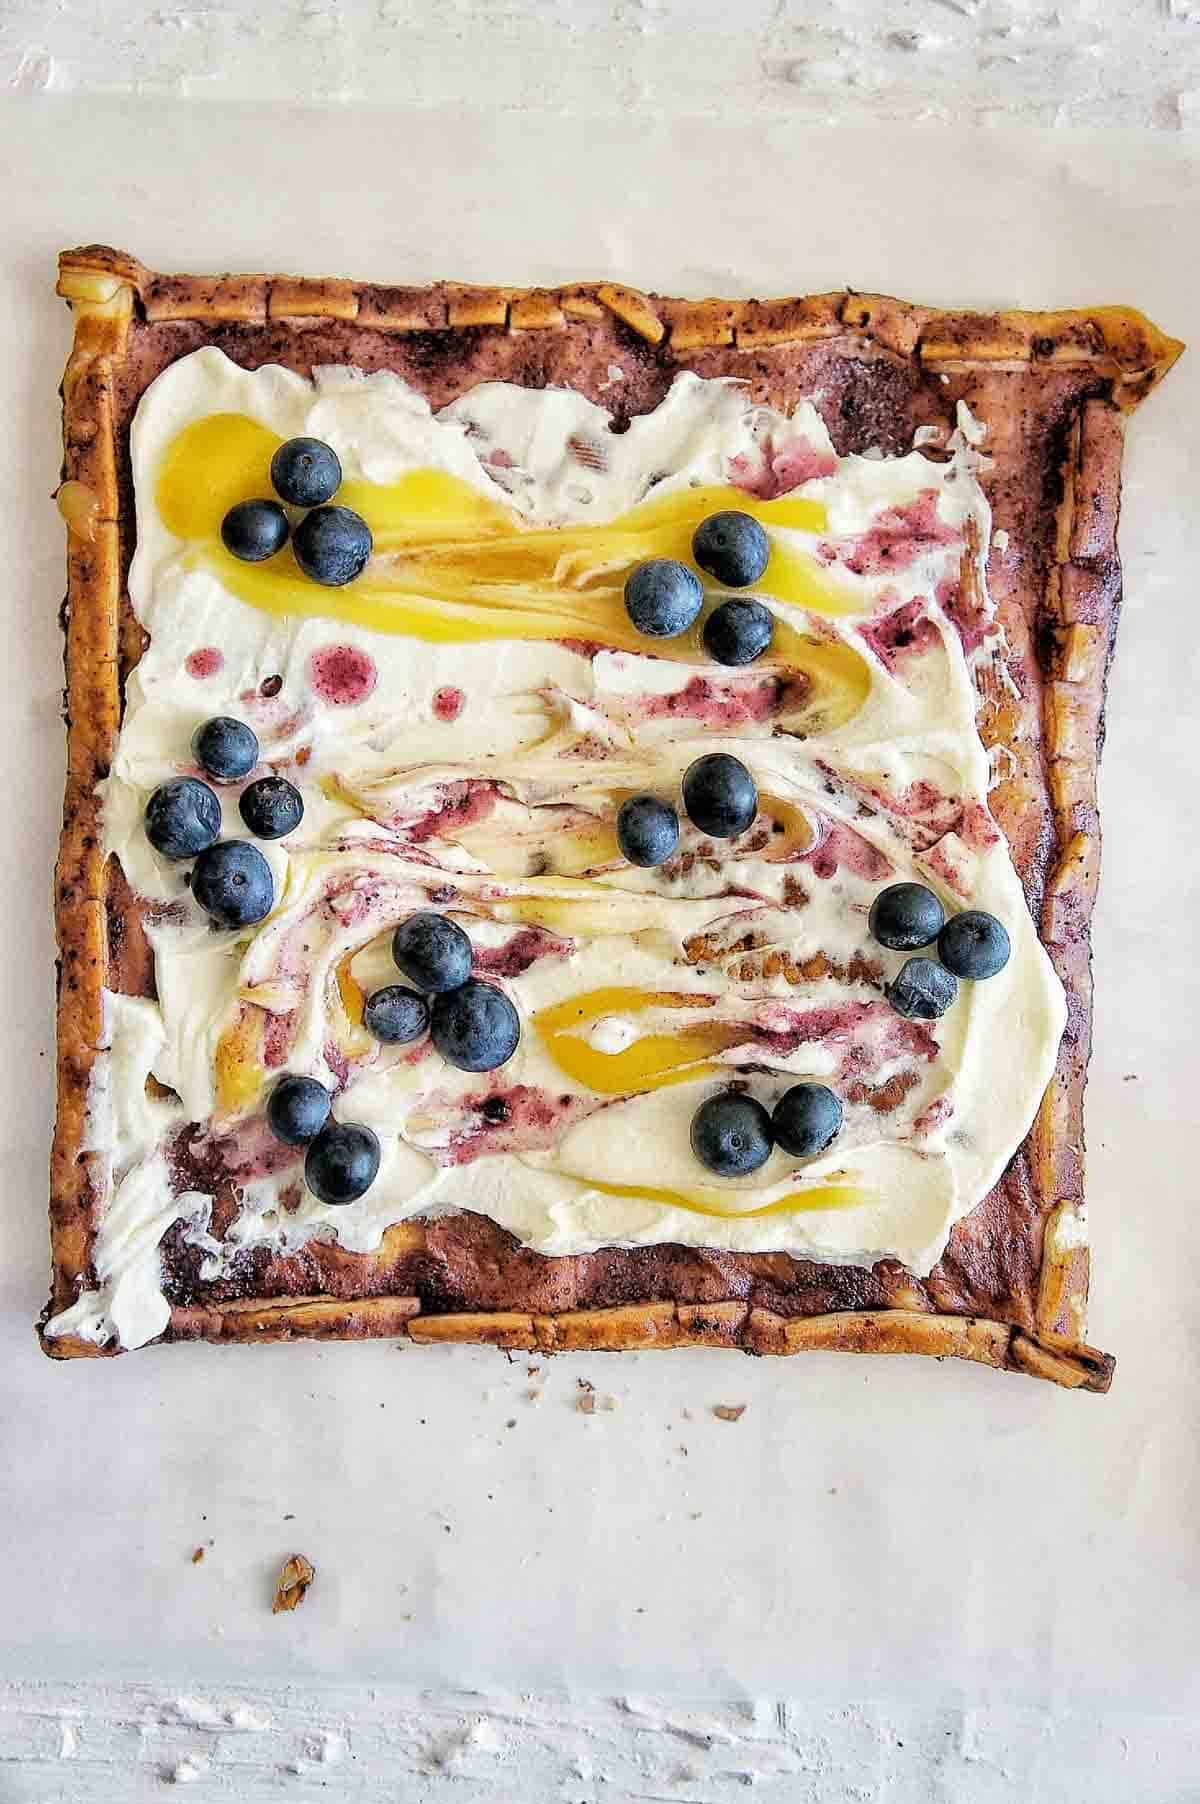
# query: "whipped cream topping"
497, 806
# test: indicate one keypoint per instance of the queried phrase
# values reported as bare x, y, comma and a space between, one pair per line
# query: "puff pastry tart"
581, 817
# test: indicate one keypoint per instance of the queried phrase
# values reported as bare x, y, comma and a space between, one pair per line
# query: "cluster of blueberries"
231, 880
473, 1026
342, 1161
663, 598
972, 945
331, 544
719, 796
732, 1134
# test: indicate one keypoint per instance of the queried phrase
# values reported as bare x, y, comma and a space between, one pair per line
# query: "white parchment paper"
884, 1528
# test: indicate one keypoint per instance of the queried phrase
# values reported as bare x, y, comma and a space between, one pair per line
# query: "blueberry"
254, 530
662, 598
731, 1134
227, 749
297, 1110
475, 1027
182, 817
306, 472
332, 545
232, 882
342, 1163
719, 795
923, 990
738, 632
396, 1015
271, 807
974, 944
905, 916
433, 952
647, 830
806, 1119
732, 548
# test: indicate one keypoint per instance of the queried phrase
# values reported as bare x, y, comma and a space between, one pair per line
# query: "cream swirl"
497, 805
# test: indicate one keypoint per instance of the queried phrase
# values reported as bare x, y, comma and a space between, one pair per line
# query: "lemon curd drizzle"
451, 565
707, 1201
654, 1059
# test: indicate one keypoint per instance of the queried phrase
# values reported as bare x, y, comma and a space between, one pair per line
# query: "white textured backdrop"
1105, 63
888, 1583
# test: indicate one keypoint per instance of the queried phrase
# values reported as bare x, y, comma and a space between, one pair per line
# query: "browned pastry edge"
105, 286
630, 1327
1118, 342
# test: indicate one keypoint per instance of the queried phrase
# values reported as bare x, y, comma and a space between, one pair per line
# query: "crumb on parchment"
292, 1587
590, 1400
729, 1412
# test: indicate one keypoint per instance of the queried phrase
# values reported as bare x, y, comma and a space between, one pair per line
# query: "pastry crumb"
729, 1412
197, 1556
186, 1771
295, 1578
590, 1400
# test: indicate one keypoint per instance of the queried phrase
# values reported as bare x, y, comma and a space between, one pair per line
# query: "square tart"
1054, 388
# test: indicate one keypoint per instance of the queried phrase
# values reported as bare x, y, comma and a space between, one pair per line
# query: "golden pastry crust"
1053, 386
